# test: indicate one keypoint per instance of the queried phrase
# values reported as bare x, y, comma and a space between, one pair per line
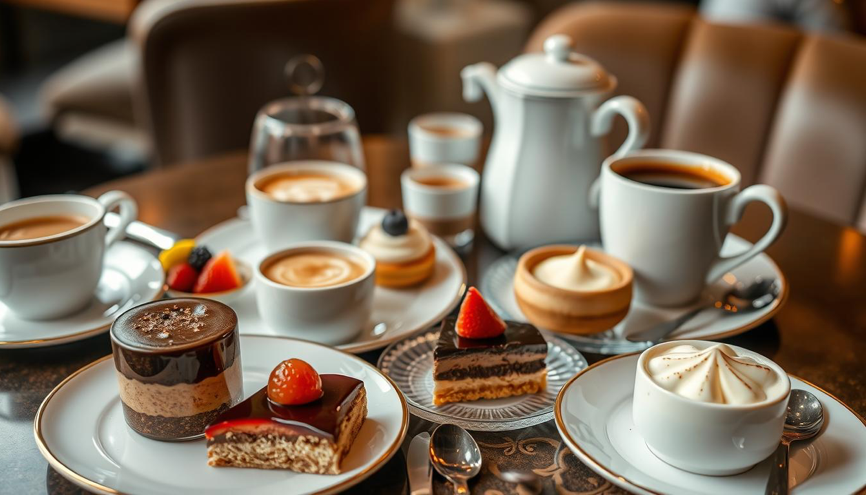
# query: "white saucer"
80, 430
710, 324
594, 416
396, 312
132, 276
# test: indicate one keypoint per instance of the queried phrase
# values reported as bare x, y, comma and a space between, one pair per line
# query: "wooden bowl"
571, 311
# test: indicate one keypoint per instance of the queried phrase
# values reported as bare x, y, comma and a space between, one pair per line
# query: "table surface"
819, 334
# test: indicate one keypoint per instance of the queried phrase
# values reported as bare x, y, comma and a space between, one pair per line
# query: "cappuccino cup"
318, 291
443, 198
308, 200
52, 249
444, 138
667, 213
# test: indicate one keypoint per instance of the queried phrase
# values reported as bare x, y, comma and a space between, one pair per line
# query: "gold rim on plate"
597, 467
88, 484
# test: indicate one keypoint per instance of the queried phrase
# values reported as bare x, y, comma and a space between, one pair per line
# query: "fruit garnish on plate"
476, 319
191, 268
299, 421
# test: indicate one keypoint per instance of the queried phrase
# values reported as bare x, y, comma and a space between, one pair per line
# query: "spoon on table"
455, 455
804, 419
761, 293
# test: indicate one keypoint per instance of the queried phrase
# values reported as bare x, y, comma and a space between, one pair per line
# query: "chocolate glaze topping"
518, 336
320, 418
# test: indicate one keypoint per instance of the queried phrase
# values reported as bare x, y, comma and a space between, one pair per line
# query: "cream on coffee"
441, 182
307, 187
40, 227
314, 269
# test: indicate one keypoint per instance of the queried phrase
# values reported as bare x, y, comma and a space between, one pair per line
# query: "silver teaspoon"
455, 455
804, 419
761, 293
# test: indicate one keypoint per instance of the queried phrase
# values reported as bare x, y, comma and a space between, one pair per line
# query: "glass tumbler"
305, 128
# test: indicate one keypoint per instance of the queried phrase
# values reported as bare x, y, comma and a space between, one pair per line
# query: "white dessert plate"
80, 430
132, 275
410, 364
396, 312
594, 416
497, 286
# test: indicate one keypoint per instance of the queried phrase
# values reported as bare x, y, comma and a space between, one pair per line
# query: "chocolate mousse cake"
178, 366
510, 364
313, 437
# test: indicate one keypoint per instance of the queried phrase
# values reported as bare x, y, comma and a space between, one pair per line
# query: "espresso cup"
708, 438
443, 198
54, 275
666, 213
297, 216
444, 138
315, 303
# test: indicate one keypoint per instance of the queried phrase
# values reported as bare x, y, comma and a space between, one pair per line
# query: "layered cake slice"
300, 421
478, 355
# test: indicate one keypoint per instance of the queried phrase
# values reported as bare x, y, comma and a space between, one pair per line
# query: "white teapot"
547, 145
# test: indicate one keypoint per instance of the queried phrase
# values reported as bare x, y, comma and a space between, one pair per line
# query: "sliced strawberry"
219, 274
294, 382
476, 320
182, 277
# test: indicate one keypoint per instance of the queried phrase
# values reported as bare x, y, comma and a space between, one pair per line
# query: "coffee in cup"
52, 249
444, 138
309, 200
320, 291
40, 227
666, 213
443, 198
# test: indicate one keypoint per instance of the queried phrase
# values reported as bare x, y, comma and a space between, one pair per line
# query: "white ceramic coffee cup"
330, 315
54, 276
672, 237
707, 438
448, 212
427, 147
282, 223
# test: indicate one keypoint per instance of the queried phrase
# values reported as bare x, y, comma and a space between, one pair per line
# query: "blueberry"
199, 257
394, 223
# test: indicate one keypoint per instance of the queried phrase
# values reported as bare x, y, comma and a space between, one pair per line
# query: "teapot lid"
559, 72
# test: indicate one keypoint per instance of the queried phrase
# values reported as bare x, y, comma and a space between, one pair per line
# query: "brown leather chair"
785, 107
207, 66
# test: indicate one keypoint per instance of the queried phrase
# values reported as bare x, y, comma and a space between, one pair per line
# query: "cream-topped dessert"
397, 248
716, 374
576, 272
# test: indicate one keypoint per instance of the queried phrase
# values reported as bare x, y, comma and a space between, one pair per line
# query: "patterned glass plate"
409, 363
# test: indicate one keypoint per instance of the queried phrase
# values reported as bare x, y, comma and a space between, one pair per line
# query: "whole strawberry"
476, 320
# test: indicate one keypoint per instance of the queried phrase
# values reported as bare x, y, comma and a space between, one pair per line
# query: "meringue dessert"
570, 289
714, 375
403, 250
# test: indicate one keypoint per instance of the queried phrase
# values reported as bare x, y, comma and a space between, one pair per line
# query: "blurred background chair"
8, 144
783, 106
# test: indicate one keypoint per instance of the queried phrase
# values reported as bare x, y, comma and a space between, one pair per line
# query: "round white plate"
81, 431
410, 364
396, 312
131, 276
594, 416
497, 286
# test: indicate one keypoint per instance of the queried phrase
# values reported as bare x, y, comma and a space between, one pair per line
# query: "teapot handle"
636, 116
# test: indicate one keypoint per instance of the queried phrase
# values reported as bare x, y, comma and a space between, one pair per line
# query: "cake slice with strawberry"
479, 355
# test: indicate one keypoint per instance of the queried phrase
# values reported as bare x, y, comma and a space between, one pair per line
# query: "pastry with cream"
403, 249
570, 289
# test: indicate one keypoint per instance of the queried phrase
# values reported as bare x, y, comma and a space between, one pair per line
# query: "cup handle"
735, 210
127, 209
636, 116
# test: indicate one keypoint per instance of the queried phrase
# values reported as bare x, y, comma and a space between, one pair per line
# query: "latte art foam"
306, 187
313, 270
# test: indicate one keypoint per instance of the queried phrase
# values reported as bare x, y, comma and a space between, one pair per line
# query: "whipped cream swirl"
576, 272
713, 375
397, 249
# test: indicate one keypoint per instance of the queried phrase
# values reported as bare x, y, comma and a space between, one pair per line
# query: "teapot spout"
479, 78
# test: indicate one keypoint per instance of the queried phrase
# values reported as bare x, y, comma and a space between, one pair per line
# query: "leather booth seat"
786, 108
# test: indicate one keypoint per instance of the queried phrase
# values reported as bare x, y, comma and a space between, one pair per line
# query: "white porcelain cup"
444, 138
54, 276
448, 212
707, 438
282, 223
330, 315
672, 237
